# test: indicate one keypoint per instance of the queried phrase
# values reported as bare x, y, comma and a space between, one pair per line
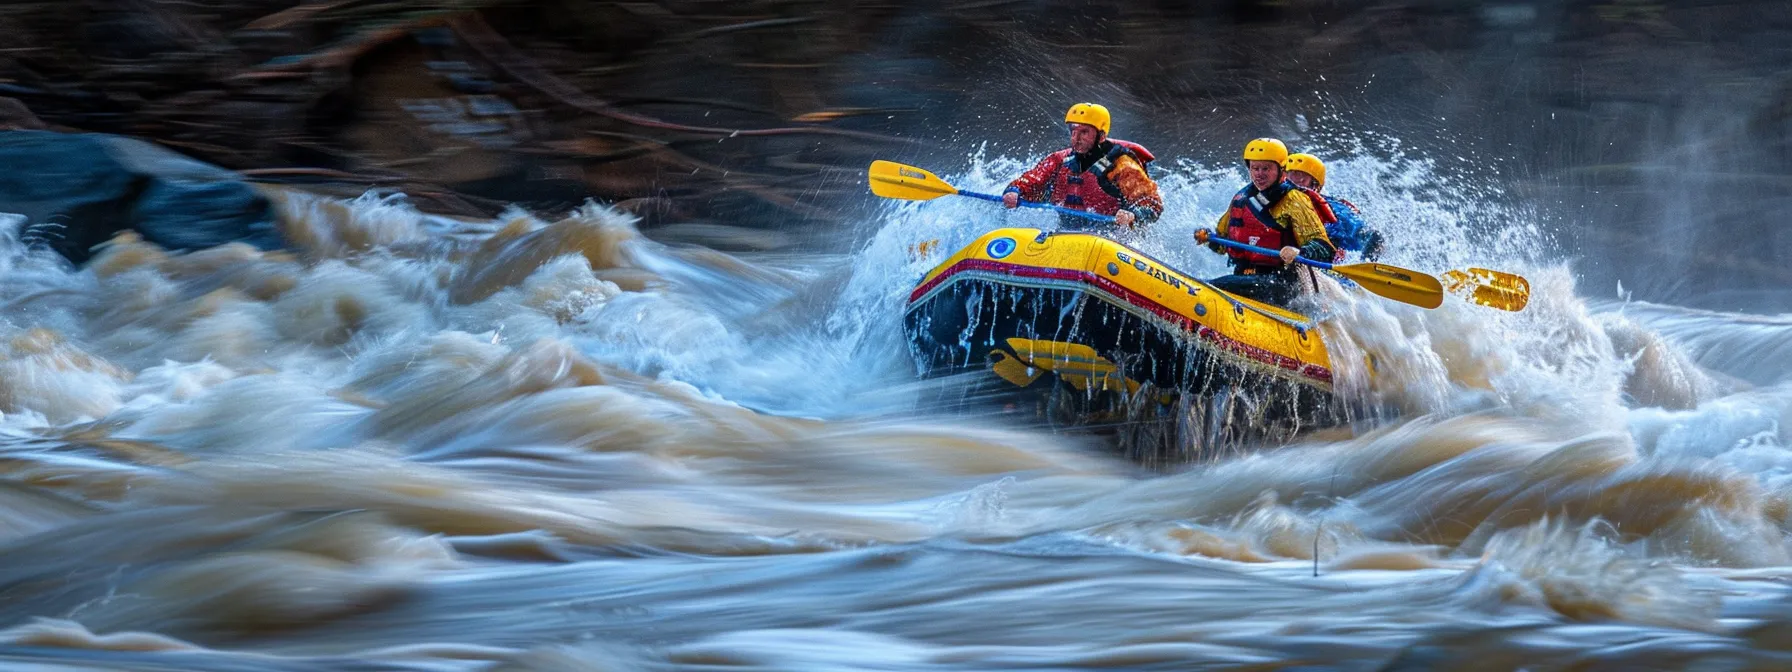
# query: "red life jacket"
1321, 206
1252, 228
1260, 229
1091, 190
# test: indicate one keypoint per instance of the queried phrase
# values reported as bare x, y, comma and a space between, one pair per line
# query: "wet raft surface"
1090, 334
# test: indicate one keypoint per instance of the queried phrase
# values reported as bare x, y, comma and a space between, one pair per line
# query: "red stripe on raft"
986, 265
1203, 331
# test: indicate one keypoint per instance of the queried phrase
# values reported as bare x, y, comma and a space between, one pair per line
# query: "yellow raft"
1106, 335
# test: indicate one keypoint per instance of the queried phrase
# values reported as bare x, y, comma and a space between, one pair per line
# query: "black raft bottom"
1169, 399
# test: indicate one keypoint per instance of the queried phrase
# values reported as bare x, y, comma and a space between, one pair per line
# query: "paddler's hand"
1201, 236
1124, 218
1288, 255
1011, 199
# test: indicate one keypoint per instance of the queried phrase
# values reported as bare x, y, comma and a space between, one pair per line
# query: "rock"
78, 190
15, 115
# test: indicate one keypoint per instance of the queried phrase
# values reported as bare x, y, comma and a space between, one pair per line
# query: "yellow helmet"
1266, 149
1309, 164
1091, 114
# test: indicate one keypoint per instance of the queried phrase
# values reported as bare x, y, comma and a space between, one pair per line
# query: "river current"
555, 443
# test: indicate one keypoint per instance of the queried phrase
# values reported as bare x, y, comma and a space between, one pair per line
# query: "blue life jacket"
1348, 232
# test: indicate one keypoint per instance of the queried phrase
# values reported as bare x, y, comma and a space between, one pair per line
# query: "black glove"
1372, 245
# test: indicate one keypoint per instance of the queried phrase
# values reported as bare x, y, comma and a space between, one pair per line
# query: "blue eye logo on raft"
999, 248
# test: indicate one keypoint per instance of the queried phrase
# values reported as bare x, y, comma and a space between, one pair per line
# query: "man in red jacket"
1095, 174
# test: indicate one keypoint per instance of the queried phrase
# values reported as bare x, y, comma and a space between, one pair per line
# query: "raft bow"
1079, 315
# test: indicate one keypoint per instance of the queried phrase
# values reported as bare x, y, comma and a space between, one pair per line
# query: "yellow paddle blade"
1493, 289
894, 180
1400, 284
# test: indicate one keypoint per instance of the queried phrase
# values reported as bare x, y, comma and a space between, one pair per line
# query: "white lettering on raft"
1162, 275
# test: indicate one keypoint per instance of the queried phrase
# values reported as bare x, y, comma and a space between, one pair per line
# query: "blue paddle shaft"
1045, 206
1265, 251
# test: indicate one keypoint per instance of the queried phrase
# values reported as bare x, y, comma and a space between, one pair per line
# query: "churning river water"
414, 443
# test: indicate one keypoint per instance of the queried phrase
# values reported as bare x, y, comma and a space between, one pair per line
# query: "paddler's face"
1264, 174
1083, 137
1300, 178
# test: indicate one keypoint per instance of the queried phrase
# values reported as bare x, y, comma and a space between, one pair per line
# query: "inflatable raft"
1100, 334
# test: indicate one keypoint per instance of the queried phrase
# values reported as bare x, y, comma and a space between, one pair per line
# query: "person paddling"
1272, 213
1095, 174
1349, 233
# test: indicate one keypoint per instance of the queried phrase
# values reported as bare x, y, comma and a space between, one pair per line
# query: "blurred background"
479, 441
1648, 140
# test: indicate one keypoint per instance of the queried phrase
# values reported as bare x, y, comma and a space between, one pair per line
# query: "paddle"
1490, 288
1393, 282
894, 180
